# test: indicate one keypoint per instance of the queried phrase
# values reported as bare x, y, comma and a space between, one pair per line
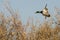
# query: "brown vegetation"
11, 28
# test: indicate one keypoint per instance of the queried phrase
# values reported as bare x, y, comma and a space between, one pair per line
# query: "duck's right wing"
45, 5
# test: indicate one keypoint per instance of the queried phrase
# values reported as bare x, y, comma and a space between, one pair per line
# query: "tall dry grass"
11, 28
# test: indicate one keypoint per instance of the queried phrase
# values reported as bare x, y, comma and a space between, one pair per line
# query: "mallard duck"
44, 12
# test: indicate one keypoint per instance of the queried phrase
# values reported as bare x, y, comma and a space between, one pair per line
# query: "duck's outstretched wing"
45, 5
45, 17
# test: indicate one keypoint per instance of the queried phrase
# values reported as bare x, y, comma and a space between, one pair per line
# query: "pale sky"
27, 8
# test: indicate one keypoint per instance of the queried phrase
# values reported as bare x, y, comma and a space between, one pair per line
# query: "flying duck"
44, 12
